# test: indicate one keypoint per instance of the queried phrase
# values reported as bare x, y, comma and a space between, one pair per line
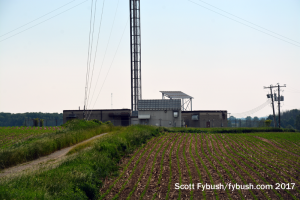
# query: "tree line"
288, 119
18, 119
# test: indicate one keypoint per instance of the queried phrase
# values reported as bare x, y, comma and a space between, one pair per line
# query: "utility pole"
280, 98
272, 104
84, 112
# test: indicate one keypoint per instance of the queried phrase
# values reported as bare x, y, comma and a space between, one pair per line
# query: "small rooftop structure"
186, 100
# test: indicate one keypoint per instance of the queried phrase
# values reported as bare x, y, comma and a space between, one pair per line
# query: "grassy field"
9, 136
35, 145
143, 162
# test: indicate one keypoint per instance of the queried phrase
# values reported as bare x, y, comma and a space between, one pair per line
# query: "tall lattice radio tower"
135, 47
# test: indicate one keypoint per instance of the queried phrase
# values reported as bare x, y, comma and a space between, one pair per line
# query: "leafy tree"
248, 121
297, 123
229, 123
255, 119
268, 122
261, 122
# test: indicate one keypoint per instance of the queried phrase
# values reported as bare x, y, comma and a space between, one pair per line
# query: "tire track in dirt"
270, 176
253, 173
285, 163
290, 146
276, 146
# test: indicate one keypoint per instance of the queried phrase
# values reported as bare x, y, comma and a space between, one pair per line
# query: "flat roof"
195, 111
176, 95
125, 109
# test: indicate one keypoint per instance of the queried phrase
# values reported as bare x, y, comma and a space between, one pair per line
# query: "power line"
249, 22
110, 66
91, 52
253, 110
37, 18
105, 50
95, 52
43, 21
87, 69
244, 23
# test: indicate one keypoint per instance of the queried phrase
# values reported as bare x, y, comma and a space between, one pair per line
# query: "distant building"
119, 117
159, 112
205, 118
171, 112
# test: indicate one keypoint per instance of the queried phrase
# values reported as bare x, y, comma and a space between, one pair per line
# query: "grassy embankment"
80, 177
13, 136
42, 145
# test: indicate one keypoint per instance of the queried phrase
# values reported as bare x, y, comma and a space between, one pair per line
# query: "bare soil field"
207, 166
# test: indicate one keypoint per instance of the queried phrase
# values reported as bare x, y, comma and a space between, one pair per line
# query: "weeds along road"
174, 165
44, 161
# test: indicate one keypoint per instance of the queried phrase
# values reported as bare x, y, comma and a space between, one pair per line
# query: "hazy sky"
187, 46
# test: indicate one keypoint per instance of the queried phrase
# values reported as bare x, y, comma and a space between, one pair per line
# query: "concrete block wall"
163, 118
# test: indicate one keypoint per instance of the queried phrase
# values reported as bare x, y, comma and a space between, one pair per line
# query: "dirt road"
51, 159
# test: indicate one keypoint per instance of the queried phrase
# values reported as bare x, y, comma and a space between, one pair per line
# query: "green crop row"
202, 162
197, 168
170, 166
178, 166
161, 167
188, 168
